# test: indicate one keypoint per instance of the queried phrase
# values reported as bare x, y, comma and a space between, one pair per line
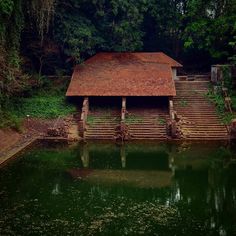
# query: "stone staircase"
101, 124
147, 123
199, 120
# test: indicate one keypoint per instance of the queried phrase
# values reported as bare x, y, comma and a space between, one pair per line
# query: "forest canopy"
40, 37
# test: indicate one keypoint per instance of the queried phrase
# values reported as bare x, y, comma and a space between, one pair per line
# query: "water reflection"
199, 177
172, 189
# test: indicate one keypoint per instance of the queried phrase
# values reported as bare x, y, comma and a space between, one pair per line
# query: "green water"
108, 189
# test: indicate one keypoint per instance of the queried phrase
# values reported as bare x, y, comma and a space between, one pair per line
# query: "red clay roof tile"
124, 74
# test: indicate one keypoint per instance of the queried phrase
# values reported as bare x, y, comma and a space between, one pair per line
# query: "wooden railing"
84, 116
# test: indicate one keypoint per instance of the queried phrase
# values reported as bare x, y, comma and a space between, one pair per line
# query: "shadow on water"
110, 189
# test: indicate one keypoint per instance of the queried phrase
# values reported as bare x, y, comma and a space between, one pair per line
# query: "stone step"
147, 135
100, 138
146, 127
206, 129
150, 138
219, 134
211, 125
101, 128
200, 138
100, 134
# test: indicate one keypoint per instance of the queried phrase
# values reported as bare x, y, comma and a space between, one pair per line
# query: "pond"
109, 189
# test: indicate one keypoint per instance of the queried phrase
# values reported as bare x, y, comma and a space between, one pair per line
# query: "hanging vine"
11, 25
42, 11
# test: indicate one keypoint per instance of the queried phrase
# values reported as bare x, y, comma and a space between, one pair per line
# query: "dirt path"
8, 138
11, 141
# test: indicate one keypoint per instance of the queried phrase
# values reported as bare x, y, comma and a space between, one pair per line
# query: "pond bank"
9, 154
12, 142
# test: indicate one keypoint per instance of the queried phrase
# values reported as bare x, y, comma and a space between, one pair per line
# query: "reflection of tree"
221, 196
209, 195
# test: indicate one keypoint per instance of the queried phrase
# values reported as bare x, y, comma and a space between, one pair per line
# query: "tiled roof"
124, 74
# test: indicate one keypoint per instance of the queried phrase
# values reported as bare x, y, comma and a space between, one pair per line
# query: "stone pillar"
83, 118
123, 109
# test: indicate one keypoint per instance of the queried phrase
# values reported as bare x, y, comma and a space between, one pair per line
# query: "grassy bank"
46, 102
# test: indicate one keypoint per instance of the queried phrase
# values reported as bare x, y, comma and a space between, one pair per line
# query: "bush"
10, 120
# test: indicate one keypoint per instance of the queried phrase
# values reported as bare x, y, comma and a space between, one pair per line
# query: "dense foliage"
48, 37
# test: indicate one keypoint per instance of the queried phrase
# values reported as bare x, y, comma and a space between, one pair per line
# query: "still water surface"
108, 189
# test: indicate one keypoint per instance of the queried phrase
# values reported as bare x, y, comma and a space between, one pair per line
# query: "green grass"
43, 106
46, 101
218, 100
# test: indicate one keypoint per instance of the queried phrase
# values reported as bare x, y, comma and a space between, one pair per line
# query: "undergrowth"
218, 100
47, 101
7, 119
43, 106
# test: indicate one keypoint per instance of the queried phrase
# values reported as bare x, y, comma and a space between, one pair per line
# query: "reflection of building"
132, 156
147, 167
201, 186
